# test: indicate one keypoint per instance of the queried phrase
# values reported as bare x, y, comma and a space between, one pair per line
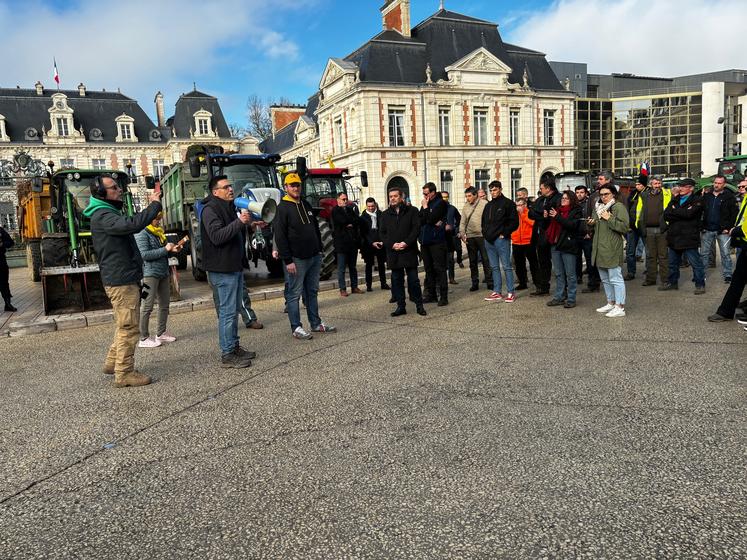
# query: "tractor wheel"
195, 248
181, 257
55, 251
34, 260
328, 250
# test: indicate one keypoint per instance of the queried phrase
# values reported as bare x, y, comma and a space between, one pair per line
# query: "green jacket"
609, 235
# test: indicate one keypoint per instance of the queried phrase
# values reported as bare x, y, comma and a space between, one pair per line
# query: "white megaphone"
264, 211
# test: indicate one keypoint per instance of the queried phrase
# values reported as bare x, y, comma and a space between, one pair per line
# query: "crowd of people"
565, 235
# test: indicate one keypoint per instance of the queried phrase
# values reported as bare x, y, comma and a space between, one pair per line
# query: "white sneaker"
616, 312
149, 342
606, 308
301, 334
166, 337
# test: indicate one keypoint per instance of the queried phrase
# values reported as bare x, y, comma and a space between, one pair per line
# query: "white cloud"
140, 46
646, 37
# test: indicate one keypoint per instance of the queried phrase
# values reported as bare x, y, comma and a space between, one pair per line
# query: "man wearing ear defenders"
121, 267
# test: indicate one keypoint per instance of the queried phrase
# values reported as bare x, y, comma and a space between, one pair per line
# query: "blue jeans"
614, 285
499, 255
350, 260
693, 257
229, 287
724, 247
633, 248
564, 265
305, 282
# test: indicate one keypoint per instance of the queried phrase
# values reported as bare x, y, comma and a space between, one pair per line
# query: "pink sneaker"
510, 297
166, 337
149, 342
494, 296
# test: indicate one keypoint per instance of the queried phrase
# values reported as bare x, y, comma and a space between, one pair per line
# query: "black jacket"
400, 226
572, 232
435, 212
684, 222
114, 242
222, 235
729, 209
536, 213
368, 234
345, 234
499, 218
296, 230
6, 241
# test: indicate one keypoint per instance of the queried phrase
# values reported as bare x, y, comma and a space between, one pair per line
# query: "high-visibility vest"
666, 198
742, 217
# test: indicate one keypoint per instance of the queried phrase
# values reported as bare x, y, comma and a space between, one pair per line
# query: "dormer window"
62, 128
125, 129
203, 127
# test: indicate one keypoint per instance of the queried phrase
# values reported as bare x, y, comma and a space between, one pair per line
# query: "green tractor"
734, 168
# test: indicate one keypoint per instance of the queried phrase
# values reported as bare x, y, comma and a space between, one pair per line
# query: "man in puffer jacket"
121, 271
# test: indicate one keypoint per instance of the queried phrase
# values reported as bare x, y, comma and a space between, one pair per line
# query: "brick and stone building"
445, 101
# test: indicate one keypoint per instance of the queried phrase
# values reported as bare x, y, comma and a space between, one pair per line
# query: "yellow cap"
291, 178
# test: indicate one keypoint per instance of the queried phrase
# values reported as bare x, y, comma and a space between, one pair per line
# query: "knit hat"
643, 179
643, 174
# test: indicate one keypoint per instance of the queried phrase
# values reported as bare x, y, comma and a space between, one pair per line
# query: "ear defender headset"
97, 187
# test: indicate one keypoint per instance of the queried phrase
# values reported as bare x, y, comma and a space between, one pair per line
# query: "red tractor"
320, 189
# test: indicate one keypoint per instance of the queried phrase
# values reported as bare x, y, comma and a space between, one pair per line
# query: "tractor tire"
55, 251
34, 260
329, 258
195, 248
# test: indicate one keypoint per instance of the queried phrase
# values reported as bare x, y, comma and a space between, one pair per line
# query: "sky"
236, 48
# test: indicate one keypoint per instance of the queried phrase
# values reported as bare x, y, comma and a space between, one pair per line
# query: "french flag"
56, 73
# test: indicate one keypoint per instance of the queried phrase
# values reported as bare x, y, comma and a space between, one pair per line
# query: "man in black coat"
433, 245
719, 213
347, 239
539, 212
6, 242
372, 248
684, 215
121, 267
400, 227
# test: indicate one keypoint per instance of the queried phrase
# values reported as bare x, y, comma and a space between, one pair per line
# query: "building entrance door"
401, 183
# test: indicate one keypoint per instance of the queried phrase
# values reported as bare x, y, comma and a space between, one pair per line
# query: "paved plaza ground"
483, 430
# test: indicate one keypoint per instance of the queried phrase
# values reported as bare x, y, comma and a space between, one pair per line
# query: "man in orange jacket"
522, 246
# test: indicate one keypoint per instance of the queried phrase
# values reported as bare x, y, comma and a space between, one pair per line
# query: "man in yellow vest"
732, 296
650, 224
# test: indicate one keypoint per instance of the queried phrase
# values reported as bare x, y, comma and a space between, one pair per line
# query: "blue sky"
235, 48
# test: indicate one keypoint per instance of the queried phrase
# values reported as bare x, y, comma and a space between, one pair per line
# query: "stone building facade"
446, 101
102, 130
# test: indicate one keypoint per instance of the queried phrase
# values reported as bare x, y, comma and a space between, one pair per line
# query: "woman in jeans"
610, 222
563, 234
155, 252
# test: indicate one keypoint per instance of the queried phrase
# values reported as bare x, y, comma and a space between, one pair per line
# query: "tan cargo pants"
126, 304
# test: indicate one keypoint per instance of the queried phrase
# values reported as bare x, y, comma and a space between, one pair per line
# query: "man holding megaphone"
222, 233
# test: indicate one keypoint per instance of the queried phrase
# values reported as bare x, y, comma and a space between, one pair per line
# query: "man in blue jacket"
433, 245
121, 268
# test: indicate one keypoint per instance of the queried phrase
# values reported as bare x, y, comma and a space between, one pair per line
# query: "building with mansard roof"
103, 130
446, 101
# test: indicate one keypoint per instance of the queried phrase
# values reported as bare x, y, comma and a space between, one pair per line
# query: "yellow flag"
330, 162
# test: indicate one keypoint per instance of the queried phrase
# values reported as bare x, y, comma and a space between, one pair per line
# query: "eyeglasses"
605, 194
224, 187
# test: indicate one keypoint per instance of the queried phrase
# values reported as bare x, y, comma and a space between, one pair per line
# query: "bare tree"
238, 131
259, 116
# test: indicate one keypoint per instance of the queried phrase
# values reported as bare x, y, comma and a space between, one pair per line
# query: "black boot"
421, 310
9, 306
429, 298
399, 311
475, 286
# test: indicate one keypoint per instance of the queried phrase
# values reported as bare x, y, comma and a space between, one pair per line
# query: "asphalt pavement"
484, 430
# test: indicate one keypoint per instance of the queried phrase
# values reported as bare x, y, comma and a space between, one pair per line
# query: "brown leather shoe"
131, 379
108, 369
255, 325
343, 293
356, 291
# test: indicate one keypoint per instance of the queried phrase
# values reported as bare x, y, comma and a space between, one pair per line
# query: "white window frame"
515, 181
549, 127
514, 118
480, 125
63, 126
482, 182
444, 126
203, 126
396, 119
339, 140
67, 163
158, 167
98, 166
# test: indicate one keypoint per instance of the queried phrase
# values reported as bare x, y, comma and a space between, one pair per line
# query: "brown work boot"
131, 379
343, 293
356, 291
108, 369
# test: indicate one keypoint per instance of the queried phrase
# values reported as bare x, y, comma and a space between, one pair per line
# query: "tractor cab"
321, 188
734, 168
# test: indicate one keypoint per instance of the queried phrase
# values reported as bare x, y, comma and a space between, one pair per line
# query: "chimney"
39, 88
395, 14
160, 115
283, 115
81, 89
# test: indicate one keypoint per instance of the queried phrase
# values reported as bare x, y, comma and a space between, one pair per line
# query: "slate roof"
23, 109
441, 40
187, 105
